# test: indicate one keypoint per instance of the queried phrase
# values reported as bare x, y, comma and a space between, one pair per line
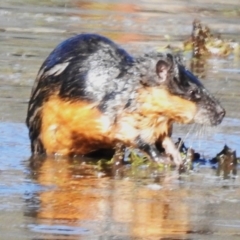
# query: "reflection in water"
198, 67
106, 206
69, 200
116, 24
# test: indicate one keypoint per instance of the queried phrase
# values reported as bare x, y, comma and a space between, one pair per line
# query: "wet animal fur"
91, 94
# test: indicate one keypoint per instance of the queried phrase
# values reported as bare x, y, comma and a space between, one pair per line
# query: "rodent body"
91, 94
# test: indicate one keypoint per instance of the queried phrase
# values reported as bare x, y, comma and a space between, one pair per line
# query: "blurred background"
62, 200
29, 31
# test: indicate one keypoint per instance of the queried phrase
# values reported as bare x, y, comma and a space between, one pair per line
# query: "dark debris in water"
131, 162
227, 163
203, 43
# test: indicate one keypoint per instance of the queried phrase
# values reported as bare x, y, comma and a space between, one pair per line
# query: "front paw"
177, 158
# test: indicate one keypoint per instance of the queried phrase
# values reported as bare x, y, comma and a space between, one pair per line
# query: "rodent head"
167, 75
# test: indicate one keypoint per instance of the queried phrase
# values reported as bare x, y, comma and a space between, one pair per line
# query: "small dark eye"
191, 92
194, 93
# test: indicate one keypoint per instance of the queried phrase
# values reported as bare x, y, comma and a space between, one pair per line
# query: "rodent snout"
211, 116
220, 112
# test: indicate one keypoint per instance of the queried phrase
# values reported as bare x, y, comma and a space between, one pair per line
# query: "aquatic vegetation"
203, 43
227, 163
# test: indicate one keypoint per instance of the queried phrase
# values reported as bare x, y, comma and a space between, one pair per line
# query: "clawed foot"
118, 158
171, 150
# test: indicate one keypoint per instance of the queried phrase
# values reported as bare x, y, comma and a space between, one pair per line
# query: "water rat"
91, 94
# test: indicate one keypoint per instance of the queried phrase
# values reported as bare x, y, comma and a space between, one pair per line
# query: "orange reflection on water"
77, 194
110, 6
113, 19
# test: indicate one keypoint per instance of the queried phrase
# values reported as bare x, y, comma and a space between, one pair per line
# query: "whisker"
206, 133
218, 91
190, 131
198, 135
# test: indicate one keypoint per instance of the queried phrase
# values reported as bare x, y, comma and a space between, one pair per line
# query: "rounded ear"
162, 68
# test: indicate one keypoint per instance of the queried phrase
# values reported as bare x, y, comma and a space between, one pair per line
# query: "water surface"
66, 199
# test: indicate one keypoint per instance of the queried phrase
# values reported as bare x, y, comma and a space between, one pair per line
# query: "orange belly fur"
160, 102
80, 128
73, 127
134, 124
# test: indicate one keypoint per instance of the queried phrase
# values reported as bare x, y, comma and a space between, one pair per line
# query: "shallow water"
64, 199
